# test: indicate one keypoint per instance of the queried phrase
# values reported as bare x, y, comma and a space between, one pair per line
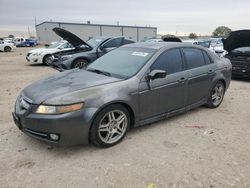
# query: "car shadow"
89, 148
37, 65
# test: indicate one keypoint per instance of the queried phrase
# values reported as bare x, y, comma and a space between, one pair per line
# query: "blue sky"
169, 16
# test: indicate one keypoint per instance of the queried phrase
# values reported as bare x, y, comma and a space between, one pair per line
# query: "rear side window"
116, 42
126, 41
194, 57
207, 59
170, 61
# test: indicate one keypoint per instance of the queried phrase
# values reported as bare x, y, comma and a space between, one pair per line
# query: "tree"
221, 31
193, 36
11, 36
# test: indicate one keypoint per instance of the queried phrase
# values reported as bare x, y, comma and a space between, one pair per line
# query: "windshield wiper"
99, 71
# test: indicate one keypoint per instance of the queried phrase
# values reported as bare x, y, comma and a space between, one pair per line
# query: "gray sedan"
133, 85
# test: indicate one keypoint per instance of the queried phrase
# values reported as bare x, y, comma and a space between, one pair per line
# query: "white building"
86, 31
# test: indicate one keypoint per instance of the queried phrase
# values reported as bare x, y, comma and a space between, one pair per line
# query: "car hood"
237, 39
64, 83
70, 37
43, 50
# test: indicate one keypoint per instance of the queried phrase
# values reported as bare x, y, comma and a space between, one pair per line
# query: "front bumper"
61, 65
34, 58
241, 71
72, 128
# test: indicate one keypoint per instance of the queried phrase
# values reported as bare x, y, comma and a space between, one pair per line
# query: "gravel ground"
201, 148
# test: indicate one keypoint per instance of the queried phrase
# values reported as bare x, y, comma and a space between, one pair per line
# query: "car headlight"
66, 57
47, 109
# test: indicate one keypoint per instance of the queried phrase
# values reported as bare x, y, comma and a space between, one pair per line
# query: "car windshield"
55, 45
123, 62
95, 41
242, 50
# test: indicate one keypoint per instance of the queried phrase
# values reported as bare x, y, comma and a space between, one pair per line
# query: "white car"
6, 46
43, 55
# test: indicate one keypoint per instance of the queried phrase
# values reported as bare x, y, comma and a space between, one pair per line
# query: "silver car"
133, 85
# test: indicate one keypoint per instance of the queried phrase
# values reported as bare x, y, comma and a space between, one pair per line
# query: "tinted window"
170, 61
126, 41
194, 57
113, 43
207, 59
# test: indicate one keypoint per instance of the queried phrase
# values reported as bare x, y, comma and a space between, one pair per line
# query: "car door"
164, 94
201, 72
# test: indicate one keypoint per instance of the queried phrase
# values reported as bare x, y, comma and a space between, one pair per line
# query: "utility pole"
29, 31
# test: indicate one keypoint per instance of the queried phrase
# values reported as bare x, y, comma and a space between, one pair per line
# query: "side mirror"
155, 74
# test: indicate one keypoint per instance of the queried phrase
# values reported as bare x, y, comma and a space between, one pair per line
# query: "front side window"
95, 41
194, 57
170, 61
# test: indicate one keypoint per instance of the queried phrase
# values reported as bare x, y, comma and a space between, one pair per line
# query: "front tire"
7, 49
80, 63
47, 60
110, 126
216, 95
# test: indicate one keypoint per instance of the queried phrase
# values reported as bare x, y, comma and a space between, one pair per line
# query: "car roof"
159, 45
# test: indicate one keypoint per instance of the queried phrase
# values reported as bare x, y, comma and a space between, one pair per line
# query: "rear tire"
110, 126
216, 95
7, 49
80, 63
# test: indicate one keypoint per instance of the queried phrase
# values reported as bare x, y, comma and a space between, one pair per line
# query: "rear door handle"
210, 72
181, 80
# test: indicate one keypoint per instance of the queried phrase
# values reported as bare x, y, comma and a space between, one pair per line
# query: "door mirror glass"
156, 74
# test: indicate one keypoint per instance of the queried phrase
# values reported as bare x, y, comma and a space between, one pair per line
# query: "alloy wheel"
80, 64
48, 60
218, 93
112, 126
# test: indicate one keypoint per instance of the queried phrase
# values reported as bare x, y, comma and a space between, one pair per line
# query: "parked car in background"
154, 40
28, 43
133, 85
190, 41
44, 55
18, 40
9, 40
7, 46
238, 47
170, 38
84, 52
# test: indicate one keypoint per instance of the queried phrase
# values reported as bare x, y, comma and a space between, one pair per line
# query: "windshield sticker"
142, 54
98, 40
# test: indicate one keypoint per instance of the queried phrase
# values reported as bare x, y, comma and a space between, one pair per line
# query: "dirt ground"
202, 148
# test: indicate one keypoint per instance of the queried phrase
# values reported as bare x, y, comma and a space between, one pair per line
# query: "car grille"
36, 133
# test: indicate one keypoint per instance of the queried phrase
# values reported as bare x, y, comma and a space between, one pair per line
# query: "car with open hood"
130, 86
44, 55
84, 52
238, 47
